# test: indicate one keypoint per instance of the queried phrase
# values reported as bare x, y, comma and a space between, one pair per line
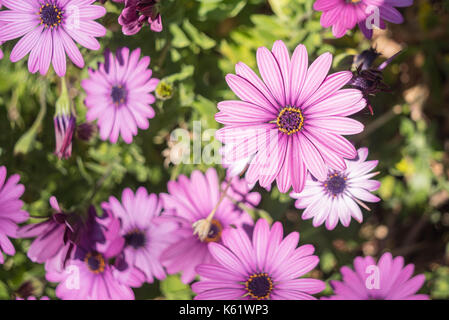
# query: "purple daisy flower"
344, 15
292, 122
118, 95
91, 273
11, 212
264, 268
138, 12
55, 237
386, 280
203, 212
146, 233
47, 29
336, 197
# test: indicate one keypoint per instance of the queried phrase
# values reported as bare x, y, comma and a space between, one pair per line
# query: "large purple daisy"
118, 95
290, 123
266, 267
344, 15
387, 279
11, 212
47, 29
146, 234
197, 204
336, 197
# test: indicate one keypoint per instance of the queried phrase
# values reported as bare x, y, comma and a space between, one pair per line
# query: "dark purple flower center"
215, 232
50, 15
335, 184
95, 262
119, 94
290, 120
136, 238
259, 286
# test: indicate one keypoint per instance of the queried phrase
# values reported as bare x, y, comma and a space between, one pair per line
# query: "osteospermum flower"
203, 212
137, 13
146, 233
91, 273
48, 29
56, 236
344, 15
336, 197
290, 123
387, 279
264, 267
367, 78
118, 95
11, 212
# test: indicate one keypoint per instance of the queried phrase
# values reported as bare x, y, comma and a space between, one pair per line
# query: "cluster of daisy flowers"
286, 128
141, 237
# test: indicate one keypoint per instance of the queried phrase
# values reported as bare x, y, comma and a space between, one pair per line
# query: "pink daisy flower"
118, 95
386, 280
137, 13
91, 273
336, 197
146, 233
55, 238
190, 202
48, 28
292, 122
344, 15
11, 212
266, 267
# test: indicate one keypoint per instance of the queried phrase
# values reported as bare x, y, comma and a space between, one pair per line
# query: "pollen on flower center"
214, 234
290, 120
95, 262
353, 1
335, 184
50, 15
136, 238
259, 286
119, 94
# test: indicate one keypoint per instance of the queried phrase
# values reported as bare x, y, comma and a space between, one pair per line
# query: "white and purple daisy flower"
11, 212
387, 279
336, 197
344, 15
118, 95
292, 122
193, 203
48, 29
266, 267
146, 233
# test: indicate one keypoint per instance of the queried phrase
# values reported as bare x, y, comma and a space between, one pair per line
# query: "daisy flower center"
290, 120
259, 286
136, 238
119, 94
95, 262
214, 234
353, 1
335, 184
50, 15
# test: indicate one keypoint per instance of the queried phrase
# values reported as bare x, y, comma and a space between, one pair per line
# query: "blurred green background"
201, 42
